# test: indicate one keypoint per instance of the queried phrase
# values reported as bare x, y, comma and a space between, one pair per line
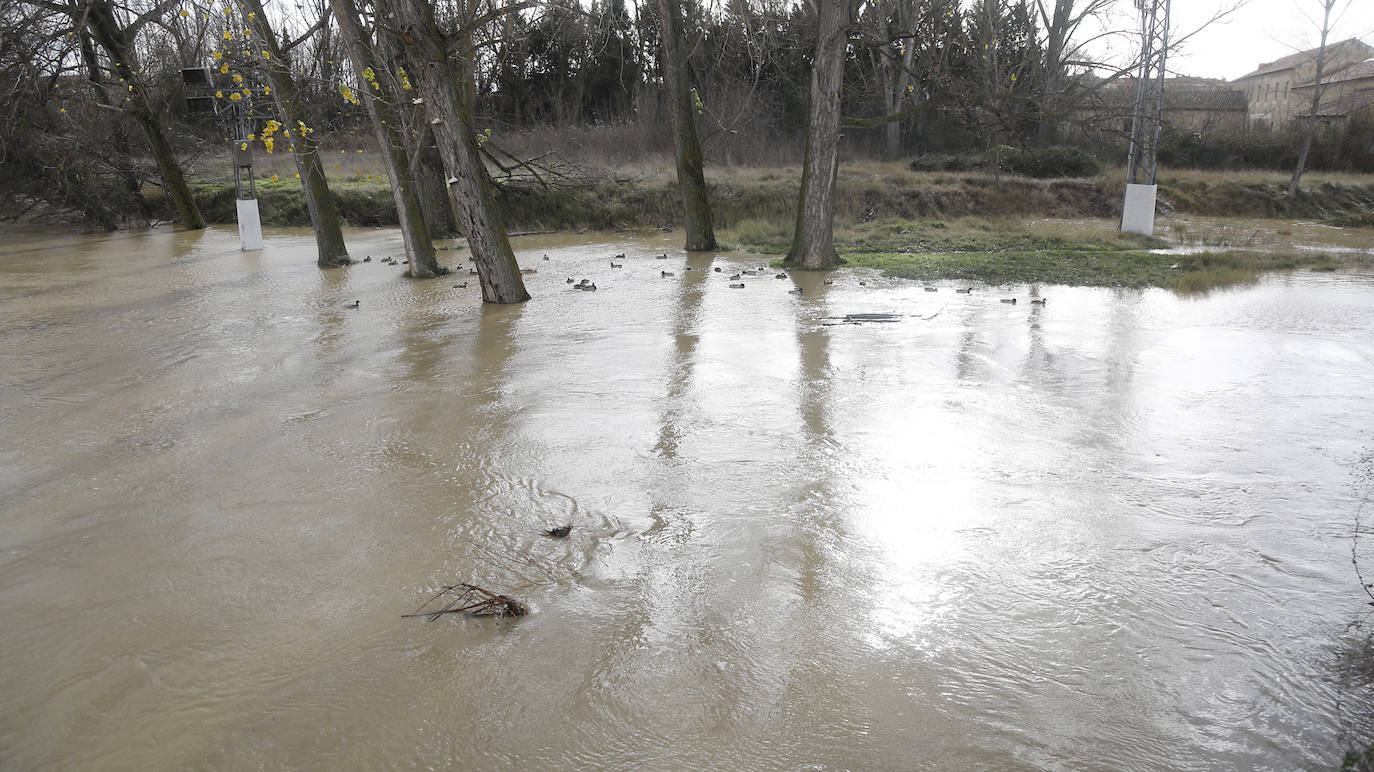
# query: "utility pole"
1138, 211
245, 183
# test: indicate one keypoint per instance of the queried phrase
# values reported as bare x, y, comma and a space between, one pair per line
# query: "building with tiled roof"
1274, 90
1347, 91
1190, 104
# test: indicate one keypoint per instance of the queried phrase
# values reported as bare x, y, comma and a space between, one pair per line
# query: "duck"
665, 273
737, 286
620, 256
964, 291
863, 284
749, 272
561, 532
716, 269
464, 285
354, 304
686, 267
367, 259
797, 291
734, 277
570, 280
546, 257
663, 256
614, 264
780, 276
932, 289
589, 287
1011, 301
828, 282
1037, 301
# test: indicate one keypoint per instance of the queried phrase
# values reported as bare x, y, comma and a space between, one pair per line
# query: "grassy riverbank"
1084, 252
931, 226
636, 197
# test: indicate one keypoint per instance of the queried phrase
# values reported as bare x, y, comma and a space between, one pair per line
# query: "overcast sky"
1261, 31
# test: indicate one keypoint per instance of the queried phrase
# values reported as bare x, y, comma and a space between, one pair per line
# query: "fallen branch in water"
474, 600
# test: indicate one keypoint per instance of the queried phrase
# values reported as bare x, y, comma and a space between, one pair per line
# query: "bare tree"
381, 96
439, 64
691, 180
1318, 89
286, 95
893, 59
101, 19
813, 240
1062, 51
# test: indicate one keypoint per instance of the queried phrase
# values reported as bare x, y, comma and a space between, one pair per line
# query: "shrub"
1052, 161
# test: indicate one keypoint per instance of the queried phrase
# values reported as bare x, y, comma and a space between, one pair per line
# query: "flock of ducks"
736, 279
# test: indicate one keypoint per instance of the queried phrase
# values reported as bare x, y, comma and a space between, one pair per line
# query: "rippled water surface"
1109, 532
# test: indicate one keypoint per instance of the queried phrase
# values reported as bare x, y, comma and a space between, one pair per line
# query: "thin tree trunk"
426, 165
425, 51
1056, 38
1317, 89
894, 61
99, 16
813, 241
324, 212
380, 97
691, 179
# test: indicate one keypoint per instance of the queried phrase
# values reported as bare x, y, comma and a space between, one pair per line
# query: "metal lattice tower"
1149, 94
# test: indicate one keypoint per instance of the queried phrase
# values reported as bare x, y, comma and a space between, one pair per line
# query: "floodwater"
1107, 532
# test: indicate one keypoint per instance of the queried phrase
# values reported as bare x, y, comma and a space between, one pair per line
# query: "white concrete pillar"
1138, 212
250, 225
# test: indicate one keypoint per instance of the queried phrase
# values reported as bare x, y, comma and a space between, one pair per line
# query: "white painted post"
250, 224
1138, 211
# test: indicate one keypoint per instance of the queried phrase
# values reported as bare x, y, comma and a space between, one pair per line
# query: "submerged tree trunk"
425, 52
1317, 90
691, 179
324, 212
118, 42
380, 96
813, 241
440, 213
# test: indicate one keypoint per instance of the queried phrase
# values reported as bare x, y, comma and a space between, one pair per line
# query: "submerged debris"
861, 318
473, 600
559, 532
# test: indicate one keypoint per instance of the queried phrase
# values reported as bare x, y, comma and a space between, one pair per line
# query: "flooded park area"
1111, 530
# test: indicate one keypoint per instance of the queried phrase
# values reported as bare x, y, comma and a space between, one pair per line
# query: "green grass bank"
641, 198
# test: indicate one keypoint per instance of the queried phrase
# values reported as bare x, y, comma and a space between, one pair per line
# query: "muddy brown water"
1109, 532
